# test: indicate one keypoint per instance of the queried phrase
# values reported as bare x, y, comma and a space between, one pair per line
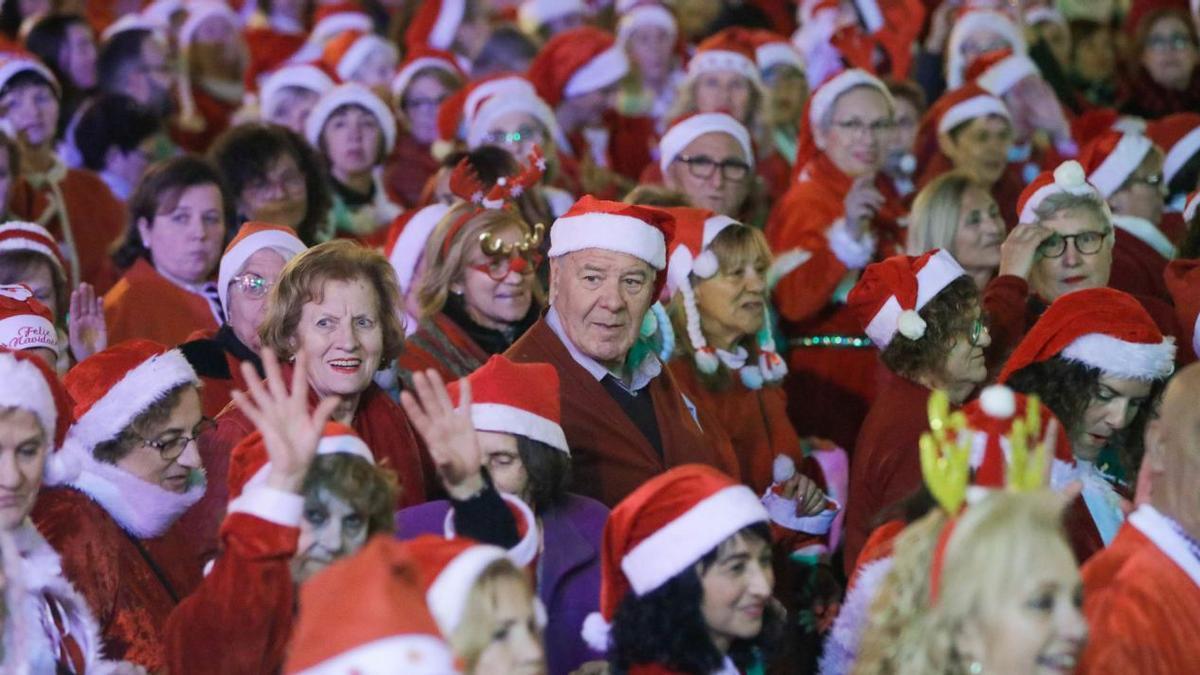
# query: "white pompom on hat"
890, 294
1069, 177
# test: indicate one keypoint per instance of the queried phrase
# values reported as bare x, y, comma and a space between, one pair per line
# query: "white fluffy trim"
841, 648
784, 264
596, 632
783, 513
998, 401
1137, 361
854, 253
26, 388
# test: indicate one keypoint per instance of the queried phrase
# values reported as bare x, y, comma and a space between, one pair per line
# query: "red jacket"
1138, 260
174, 313
407, 170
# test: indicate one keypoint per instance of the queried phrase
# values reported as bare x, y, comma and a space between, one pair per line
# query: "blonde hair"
444, 269
478, 625
994, 546
935, 213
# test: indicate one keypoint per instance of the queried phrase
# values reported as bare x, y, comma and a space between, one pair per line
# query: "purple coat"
568, 570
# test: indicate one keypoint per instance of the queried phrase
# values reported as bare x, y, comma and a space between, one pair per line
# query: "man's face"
601, 298
706, 170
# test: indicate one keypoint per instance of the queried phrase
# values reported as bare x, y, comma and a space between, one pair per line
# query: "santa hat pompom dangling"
911, 325
998, 401
1070, 175
751, 376
783, 468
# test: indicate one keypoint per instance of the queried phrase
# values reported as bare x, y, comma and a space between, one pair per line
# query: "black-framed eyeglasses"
1087, 243
856, 127
171, 448
703, 167
252, 285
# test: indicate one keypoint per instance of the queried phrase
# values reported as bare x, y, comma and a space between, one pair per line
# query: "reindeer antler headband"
465, 184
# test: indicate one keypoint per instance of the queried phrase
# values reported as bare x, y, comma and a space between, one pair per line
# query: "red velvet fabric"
144, 304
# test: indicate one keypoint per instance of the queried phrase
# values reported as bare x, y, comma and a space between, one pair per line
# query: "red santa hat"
992, 421
346, 52
30, 384
1101, 328
305, 76
1069, 177
645, 15
448, 570
112, 387
132, 22
18, 235
198, 13
533, 14
425, 59
1098, 120
516, 398
772, 49
1111, 158
492, 99
972, 22
890, 293
1178, 135
577, 62
25, 323
823, 99
13, 63
965, 104
329, 21
435, 24
689, 128
390, 629
407, 238
999, 71
731, 49
662, 529
351, 93
252, 237
639, 231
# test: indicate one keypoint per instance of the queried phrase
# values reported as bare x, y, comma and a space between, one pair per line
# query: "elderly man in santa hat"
625, 417
1142, 593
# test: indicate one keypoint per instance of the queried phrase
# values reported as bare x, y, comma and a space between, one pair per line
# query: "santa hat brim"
25, 388
1120, 163
507, 419
1118, 358
351, 94
288, 246
684, 132
1183, 150
610, 232
410, 244
603, 70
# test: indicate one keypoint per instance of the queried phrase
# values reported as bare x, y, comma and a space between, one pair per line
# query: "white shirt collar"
647, 370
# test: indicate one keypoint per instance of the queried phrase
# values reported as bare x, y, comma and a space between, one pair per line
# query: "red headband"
465, 184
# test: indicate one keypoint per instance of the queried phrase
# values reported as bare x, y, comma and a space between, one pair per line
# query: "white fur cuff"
783, 513
854, 253
270, 504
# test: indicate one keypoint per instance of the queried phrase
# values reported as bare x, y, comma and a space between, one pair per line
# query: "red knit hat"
516, 398
1069, 177
30, 384
251, 238
999, 71
1101, 328
640, 231
447, 570
435, 24
366, 614
577, 62
1111, 158
969, 23
890, 293
730, 49
249, 462
422, 60
664, 528
16, 235
1178, 135
690, 127
346, 52
25, 323
406, 241
990, 427
111, 388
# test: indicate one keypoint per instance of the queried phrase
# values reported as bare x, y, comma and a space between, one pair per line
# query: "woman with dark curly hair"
686, 578
1097, 359
924, 315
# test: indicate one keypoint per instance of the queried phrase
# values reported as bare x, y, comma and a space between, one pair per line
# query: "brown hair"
655, 195
948, 319
447, 253
115, 449
303, 278
1152, 17
15, 267
368, 489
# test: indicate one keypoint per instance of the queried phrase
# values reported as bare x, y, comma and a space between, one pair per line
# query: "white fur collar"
1147, 233
142, 509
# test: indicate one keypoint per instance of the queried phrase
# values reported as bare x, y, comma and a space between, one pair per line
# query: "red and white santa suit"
778, 160
831, 364
205, 107
118, 535
1142, 250
612, 451
412, 163
1108, 330
1178, 136
1142, 599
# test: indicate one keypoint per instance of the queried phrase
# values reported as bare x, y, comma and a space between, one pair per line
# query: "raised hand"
290, 432
810, 501
447, 431
861, 204
1019, 250
86, 330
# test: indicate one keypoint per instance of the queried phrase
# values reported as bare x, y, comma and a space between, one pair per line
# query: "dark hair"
367, 488
947, 319
29, 78
911, 92
112, 120
115, 449
506, 46
665, 627
1190, 248
47, 38
1084, 29
549, 471
245, 153
491, 163
159, 190
655, 195
1186, 178
15, 266
116, 54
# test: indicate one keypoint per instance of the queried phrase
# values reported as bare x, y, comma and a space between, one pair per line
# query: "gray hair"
1093, 204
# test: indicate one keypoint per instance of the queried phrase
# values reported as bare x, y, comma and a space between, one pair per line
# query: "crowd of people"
555, 337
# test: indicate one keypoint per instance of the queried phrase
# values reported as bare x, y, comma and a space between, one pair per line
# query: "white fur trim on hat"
827, 94
139, 389
405, 77
512, 86
1036, 15
602, 70
645, 15
1068, 177
30, 244
441, 36
683, 133
411, 654
410, 244
974, 107
938, 272
872, 16
508, 419
1136, 361
288, 246
1003, 76
713, 60
28, 331
198, 13
25, 387
525, 551
1191, 206
351, 94
336, 24
610, 232
956, 66
687, 538
254, 501
1120, 163
502, 104
360, 50
131, 22
274, 506
780, 53
15, 65
533, 14
1183, 150
447, 595
303, 76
